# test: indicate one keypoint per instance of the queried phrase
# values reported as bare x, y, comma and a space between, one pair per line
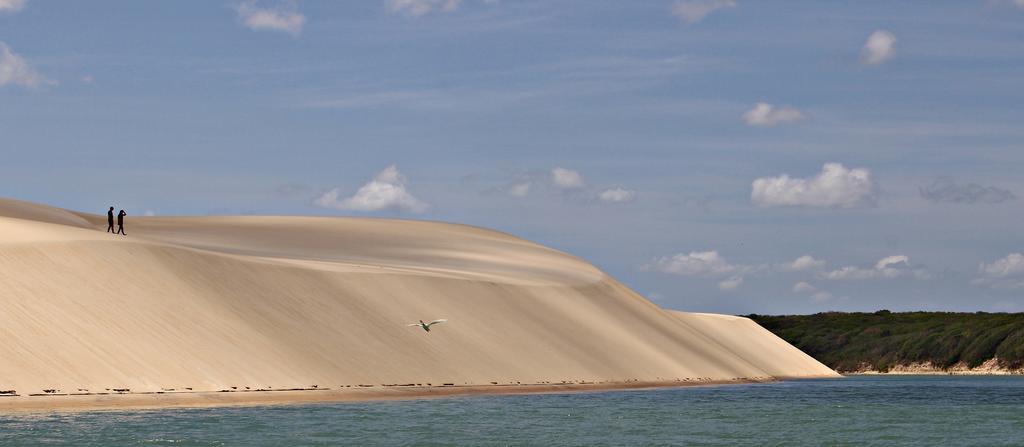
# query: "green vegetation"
846, 341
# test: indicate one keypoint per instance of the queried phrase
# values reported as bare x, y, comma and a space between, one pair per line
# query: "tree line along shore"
906, 342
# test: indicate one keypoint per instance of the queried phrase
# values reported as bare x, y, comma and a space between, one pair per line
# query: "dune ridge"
219, 304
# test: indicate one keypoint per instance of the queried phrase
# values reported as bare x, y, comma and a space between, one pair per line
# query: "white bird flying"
426, 326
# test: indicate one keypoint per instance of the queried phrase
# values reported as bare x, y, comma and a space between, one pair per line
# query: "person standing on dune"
110, 220
120, 222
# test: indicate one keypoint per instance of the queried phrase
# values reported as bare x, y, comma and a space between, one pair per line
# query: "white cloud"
617, 195
890, 261
693, 11
1011, 265
803, 287
694, 263
730, 284
945, 189
821, 295
805, 262
880, 47
385, 192
149, 213
889, 267
416, 8
1012, 3
14, 70
11, 5
519, 189
270, 19
566, 178
850, 272
835, 186
767, 115
815, 293
1005, 273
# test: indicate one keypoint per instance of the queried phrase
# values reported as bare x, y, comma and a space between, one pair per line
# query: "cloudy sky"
715, 155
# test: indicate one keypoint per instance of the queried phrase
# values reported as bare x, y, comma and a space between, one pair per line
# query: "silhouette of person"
110, 220
120, 222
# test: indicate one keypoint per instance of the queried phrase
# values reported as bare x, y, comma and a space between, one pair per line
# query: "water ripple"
851, 411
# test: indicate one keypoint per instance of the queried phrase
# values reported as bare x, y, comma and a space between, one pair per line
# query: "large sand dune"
211, 303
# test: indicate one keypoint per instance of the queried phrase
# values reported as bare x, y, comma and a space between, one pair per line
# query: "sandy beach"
189, 399
219, 305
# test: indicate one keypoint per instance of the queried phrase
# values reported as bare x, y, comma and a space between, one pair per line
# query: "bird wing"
436, 322
413, 324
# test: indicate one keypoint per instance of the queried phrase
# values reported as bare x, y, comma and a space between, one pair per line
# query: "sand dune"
210, 303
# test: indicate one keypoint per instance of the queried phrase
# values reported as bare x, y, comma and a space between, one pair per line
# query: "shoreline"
207, 399
938, 372
990, 367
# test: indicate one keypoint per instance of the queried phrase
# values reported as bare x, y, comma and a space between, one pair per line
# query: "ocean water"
926, 411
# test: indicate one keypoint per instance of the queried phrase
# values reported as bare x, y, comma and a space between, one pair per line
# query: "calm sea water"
923, 411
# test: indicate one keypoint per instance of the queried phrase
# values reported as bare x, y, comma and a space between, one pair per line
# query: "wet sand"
138, 401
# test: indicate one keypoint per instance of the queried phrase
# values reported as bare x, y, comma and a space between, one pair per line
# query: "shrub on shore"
884, 339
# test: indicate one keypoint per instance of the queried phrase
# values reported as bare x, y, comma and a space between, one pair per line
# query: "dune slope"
210, 303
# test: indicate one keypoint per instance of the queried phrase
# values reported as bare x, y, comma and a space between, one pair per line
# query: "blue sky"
715, 155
